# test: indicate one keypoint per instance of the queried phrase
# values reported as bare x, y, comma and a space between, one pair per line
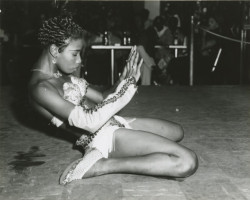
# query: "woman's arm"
88, 119
98, 96
92, 119
45, 95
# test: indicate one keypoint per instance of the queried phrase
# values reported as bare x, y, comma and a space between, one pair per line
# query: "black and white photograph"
124, 100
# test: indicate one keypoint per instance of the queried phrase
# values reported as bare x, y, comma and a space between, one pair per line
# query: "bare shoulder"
46, 97
42, 89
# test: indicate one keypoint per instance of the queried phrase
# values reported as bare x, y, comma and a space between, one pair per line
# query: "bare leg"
164, 128
145, 153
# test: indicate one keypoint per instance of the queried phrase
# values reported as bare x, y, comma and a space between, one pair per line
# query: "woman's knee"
188, 164
172, 131
179, 132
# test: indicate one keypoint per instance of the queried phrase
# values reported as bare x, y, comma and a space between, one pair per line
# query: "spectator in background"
147, 66
209, 42
161, 35
208, 52
145, 18
141, 24
178, 68
141, 37
165, 38
231, 53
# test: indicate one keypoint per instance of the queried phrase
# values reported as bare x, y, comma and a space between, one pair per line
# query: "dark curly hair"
59, 30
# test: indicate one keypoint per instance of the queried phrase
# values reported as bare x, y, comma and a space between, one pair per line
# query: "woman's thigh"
130, 142
164, 128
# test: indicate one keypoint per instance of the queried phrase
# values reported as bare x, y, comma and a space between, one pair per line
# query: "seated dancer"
113, 144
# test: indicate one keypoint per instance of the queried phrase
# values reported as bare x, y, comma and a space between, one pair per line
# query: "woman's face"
70, 58
212, 24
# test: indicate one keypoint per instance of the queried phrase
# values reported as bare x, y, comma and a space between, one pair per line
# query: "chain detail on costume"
84, 140
129, 82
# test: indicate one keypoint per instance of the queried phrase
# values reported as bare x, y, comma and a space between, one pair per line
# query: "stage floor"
216, 120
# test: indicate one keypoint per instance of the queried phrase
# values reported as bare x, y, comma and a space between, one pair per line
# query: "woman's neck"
45, 64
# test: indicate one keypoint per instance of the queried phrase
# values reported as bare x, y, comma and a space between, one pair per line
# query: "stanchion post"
242, 52
191, 53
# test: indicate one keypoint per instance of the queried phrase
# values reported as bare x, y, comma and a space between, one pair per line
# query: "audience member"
178, 68
158, 34
209, 52
142, 37
147, 22
147, 66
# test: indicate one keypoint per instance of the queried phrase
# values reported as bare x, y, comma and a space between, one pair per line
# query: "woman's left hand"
132, 68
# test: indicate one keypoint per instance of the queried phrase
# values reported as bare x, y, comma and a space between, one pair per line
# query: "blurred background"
215, 32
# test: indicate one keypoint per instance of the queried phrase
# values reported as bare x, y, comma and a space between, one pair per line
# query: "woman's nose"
78, 60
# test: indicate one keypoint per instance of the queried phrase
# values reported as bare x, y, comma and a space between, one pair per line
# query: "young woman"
113, 144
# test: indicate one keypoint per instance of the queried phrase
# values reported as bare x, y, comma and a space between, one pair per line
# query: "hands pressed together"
133, 66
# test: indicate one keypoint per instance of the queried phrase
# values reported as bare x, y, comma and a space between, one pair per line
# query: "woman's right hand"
133, 66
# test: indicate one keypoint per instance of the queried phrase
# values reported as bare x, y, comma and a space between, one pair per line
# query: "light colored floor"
216, 120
